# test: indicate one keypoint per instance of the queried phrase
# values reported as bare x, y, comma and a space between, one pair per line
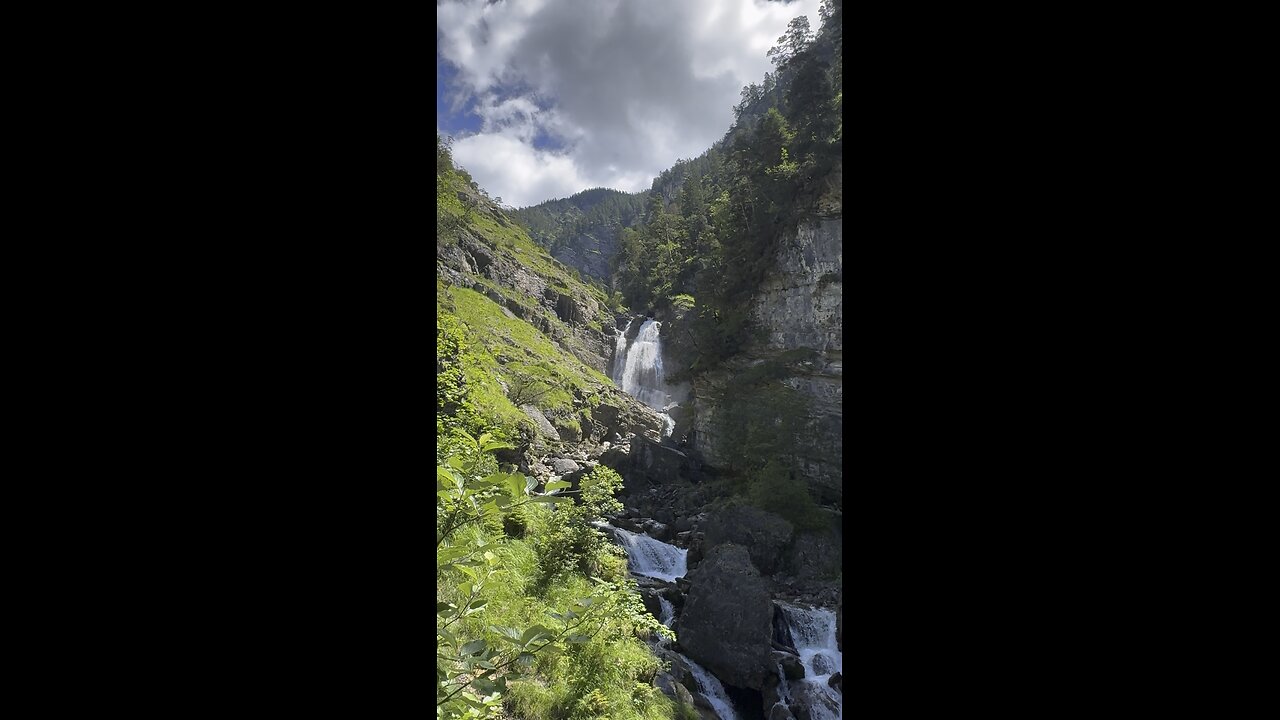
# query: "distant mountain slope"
582, 231
540, 338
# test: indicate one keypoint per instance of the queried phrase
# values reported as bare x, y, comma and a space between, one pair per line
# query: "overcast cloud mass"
546, 98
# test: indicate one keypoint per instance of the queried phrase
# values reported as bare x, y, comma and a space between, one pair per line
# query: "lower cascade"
649, 557
653, 558
814, 633
712, 690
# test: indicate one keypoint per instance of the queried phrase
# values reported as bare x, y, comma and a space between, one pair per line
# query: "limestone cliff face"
799, 305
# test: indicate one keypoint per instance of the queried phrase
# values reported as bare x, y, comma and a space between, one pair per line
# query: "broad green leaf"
558, 485
497, 445
550, 499
484, 438
466, 588
579, 639
444, 556
476, 606
515, 485
474, 647
456, 462
507, 633
534, 633
446, 609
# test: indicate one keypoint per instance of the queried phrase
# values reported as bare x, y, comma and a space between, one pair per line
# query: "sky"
546, 98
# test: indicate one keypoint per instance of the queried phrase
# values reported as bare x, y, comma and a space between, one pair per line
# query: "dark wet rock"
657, 462
840, 620
814, 555
836, 682
782, 638
667, 684
764, 534
771, 691
823, 663
650, 598
807, 696
627, 524
671, 686
780, 712
663, 515
657, 530
697, 541
790, 664
726, 623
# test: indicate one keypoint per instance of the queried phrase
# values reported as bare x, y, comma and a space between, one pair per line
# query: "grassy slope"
479, 344
493, 334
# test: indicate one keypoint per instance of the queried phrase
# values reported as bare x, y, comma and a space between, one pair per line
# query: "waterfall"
814, 632
620, 355
656, 559
638, 370
649, 557
712, 690
668, 613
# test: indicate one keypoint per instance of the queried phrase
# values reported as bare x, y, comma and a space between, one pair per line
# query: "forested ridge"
539, 614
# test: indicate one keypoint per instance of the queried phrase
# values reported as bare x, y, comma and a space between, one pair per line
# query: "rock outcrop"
799, 305
726, 623
763, 534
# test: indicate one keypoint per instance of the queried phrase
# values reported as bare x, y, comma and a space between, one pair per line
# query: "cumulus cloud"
583, 93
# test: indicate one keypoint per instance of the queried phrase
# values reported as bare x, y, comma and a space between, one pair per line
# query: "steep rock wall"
799, 305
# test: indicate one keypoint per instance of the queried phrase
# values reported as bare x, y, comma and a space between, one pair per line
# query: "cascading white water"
638, 370
814, 633
642, 375
667, 615
712, 690
620, 355
654, 558
649, 557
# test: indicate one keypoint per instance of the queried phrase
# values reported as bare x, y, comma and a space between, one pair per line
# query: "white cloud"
627, 86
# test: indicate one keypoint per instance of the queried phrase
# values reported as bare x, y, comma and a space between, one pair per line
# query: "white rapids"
649, 557
814, 632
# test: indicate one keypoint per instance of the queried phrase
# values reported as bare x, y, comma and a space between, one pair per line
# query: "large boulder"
727, 618
564, 466
764, 534
659, 463
815, 555
544, 425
